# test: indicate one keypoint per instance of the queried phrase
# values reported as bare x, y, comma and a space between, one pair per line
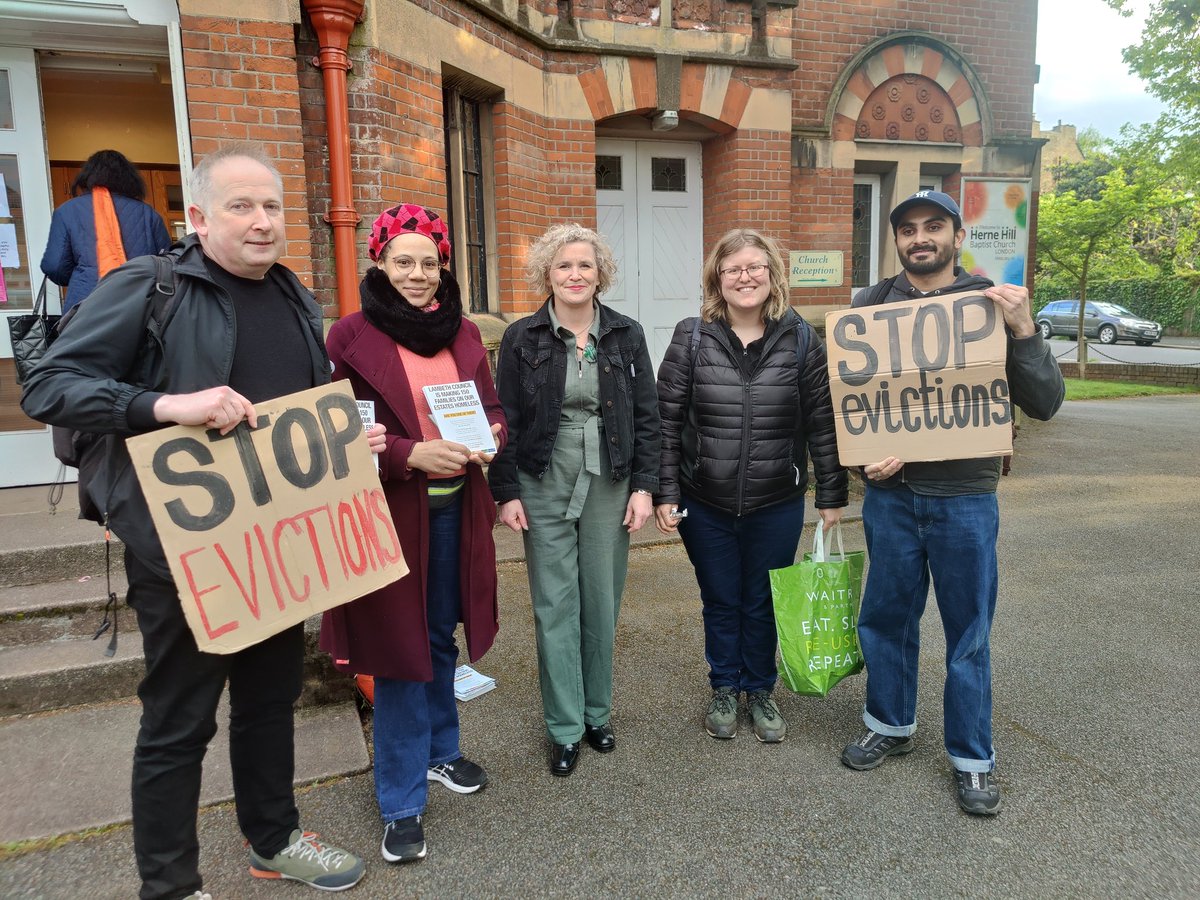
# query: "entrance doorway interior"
56, 109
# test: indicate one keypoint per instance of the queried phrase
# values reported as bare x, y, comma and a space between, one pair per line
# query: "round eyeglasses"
405, 264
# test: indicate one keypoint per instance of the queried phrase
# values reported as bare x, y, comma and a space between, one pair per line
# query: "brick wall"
545, 173
746, 184
823, 199
997, 40
1166, 376
242, 85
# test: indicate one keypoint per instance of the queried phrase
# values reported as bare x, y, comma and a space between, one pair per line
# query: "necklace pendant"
589, 352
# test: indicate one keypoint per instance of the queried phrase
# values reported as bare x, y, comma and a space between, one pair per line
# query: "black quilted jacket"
740, 444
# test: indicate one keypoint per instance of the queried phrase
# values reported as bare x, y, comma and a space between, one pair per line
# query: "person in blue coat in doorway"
71, 259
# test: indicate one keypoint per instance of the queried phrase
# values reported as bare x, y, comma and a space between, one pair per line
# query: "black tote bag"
31, 335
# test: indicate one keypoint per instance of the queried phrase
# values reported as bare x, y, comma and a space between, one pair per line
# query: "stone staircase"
69, 713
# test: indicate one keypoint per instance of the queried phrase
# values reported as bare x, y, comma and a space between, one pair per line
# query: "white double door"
649, 206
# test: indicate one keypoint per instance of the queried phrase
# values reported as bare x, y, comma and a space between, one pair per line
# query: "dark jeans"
911, 537
179, 697
416, 722
732, 556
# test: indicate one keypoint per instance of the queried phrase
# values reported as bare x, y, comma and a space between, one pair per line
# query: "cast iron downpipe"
333, 20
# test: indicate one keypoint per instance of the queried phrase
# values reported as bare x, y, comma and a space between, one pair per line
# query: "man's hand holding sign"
268, 522
921, 380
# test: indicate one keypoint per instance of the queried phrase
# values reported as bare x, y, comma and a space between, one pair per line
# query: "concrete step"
84, 782
53, 674
56, 674
39, 546
58, 610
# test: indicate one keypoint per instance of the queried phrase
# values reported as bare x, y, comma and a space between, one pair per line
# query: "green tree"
1074, 232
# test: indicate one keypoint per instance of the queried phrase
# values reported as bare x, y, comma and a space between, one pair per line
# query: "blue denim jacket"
531, 370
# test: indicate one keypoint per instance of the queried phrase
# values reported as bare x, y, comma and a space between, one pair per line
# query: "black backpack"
85, 450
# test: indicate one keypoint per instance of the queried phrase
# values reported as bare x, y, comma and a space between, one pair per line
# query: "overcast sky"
1083, 80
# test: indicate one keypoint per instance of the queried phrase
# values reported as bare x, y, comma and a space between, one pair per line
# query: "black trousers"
179, 704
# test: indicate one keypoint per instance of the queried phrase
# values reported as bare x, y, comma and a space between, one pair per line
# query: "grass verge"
1108, 390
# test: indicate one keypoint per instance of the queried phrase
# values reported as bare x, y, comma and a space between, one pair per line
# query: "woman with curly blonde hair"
577, 476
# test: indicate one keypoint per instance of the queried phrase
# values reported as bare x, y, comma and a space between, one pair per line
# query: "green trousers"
577, 557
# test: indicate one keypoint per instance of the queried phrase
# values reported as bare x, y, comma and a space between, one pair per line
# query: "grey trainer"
978, 792
310, 861
721, 720
873, 748
769, 725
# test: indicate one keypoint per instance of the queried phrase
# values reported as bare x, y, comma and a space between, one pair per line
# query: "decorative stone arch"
708, 94
910, 87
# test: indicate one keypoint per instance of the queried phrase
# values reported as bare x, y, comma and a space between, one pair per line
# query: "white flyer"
366, 411
459, 415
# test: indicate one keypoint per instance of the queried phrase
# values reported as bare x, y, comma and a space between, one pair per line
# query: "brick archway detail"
708, 94
912, 92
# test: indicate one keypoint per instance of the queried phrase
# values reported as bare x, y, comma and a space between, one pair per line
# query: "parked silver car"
1108, 322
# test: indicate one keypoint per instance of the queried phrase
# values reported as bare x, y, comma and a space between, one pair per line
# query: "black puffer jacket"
740, 444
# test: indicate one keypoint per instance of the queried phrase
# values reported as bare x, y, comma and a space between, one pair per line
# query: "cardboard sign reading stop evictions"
263, 528
920, 380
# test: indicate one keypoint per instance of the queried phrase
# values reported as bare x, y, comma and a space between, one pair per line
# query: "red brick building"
661, 122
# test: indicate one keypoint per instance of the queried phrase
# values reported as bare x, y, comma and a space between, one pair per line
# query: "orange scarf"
110, 252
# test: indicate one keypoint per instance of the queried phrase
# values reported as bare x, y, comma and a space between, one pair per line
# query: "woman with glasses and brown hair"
744, 398
411, 334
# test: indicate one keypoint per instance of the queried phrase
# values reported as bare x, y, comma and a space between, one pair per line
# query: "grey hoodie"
1035, 384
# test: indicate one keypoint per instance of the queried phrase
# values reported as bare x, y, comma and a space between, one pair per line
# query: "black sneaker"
460, 775
404, 840
872, 749
978, 793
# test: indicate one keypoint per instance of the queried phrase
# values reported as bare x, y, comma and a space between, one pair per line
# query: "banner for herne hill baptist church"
920, 380
265, 527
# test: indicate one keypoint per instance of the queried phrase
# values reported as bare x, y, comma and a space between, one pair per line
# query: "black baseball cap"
928, 198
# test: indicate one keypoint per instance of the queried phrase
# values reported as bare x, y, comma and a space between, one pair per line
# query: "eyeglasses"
406, 264
734, 273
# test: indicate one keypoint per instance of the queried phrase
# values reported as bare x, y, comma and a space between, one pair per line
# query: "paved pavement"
1095, 653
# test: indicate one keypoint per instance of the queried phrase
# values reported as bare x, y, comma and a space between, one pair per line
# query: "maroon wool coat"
385, 633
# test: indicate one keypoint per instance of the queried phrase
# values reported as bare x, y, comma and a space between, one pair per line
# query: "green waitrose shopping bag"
816, 616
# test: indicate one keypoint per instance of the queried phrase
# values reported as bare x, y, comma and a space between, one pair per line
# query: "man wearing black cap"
940, 520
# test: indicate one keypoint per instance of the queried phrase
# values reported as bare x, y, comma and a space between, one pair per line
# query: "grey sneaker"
978, 792
310, 861
769, 725
872, 749
721, 720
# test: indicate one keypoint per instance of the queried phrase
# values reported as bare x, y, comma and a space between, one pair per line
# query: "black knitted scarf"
424, 333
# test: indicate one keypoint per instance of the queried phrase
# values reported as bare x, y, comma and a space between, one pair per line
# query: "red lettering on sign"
380, 509
250, 597
345, 515
197, 594
276, 533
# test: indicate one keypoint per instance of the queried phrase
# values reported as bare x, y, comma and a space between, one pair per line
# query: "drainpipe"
333, 20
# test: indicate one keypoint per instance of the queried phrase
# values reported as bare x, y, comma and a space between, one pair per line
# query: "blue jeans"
911, 537
731, 555
416, 722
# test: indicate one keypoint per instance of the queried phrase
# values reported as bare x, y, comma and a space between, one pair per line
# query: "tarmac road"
1096, 715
